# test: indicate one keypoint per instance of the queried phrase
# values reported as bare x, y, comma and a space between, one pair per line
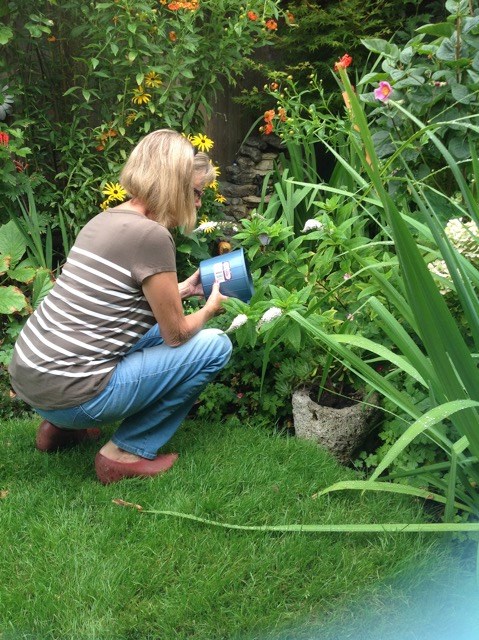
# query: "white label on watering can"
222, 271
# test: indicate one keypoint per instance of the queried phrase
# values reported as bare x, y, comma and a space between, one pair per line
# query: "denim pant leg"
76, 417
153, 388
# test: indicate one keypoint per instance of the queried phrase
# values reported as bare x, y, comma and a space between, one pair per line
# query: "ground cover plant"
76, 566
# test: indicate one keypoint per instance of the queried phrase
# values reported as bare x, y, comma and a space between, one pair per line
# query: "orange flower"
172, 36
271, 25
273, 86
51, 39
343, 62
282, 114
269, 115
174, 6
252, 15
289, 17
268, 128
20, 166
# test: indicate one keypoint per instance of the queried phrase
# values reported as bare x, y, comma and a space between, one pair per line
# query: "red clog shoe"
109, 471
51, 438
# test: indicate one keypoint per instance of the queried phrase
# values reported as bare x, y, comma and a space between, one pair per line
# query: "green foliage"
435, 76
433, 351
86, 81
23, 285
319, 32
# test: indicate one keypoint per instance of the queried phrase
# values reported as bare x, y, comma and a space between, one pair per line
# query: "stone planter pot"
341, 431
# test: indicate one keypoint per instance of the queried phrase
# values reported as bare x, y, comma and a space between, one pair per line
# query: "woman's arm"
163, 295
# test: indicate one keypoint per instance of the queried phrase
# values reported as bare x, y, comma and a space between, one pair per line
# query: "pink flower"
383, 92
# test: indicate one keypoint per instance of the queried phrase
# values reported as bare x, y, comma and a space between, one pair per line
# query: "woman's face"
198, 187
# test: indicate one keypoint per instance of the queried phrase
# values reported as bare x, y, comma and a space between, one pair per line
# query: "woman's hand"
215, 300
191, 286
162, 292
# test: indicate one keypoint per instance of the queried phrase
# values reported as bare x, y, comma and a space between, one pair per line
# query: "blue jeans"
152, 390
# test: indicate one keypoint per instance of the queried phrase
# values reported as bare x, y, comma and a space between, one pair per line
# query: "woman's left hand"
191, 286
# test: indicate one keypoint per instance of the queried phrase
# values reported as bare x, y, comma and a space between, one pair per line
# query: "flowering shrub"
435, 75
85, 83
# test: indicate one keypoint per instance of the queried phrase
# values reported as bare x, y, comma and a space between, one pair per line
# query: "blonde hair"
159, 173
204, 169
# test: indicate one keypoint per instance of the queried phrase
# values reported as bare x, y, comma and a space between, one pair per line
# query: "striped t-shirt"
95, 312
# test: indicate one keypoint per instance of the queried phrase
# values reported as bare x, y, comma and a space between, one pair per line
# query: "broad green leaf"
381, 46
12, 242
12, 300
461, 93
442, 29
6, 34
4, 264
22, 273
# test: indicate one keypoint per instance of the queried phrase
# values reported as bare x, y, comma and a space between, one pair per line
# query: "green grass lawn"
76, 566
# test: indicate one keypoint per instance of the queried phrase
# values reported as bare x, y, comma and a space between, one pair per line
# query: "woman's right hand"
214, 304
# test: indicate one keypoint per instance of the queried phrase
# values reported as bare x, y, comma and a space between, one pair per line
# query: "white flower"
269, 315
311, 224
464, 236
206, 227
239, 321
439, 268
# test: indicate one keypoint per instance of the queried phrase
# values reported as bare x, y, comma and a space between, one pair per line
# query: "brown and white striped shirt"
95, 312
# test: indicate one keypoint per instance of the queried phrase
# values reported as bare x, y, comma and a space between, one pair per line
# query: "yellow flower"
202, 142
105, 204
152, 79
140, 97
130, 118
206, 226
114, 191
213, 185
217, 171
220, 198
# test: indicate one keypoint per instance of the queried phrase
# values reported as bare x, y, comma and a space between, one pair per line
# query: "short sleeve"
155, 253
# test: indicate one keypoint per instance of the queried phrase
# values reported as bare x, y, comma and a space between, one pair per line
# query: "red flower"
268, 128
252, 15
271, 24
172, 36
4, 139
343, 62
